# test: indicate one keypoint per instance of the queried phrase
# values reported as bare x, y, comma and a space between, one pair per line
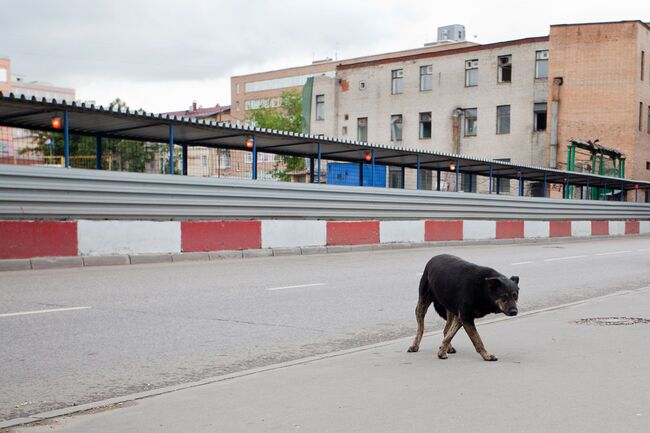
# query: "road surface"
73, 336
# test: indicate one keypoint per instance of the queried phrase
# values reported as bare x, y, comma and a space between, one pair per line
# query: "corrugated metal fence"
55, 193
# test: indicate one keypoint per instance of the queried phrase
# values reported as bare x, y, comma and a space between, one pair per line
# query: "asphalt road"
148, 326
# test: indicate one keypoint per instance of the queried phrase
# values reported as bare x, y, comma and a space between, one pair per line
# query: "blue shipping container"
342, 173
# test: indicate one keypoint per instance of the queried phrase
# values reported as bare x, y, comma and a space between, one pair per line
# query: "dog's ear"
515, 278
492, 282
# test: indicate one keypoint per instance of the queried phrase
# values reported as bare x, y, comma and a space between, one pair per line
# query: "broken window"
362, 129
503, 119
471, 73
470, 122
397, 76
539, 122
504, 73
425, 125
320, 107
541, 64
396, 127
425, 77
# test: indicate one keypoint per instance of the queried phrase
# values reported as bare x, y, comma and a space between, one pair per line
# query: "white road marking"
520, 263
297, 287
644, 249
564, 258
53, 310
614, 252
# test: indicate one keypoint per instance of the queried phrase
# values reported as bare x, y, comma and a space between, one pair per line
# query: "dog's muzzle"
512, 312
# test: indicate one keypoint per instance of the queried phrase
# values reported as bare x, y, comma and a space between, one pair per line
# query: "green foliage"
119, 155
284, 118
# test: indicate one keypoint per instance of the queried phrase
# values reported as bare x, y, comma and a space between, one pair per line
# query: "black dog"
461, 292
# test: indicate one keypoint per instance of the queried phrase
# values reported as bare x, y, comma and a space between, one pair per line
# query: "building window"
640, 116
539, 110
425, 77
396, 127
425, 125
344, 130
471, 120
504, 73
647, 165
471, 73
320, 107
237, 88
362, 85
4, 148
362, 129
397, 76
503, 119
642, 64
3, 75
541, 64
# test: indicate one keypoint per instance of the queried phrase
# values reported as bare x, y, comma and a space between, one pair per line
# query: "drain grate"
612, 321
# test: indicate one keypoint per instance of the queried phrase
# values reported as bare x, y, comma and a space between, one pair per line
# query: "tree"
123, 155
284, 118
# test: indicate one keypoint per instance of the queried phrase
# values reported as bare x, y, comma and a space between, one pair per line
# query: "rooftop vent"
452, 33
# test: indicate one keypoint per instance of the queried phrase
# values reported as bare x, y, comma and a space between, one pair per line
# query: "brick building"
520, 100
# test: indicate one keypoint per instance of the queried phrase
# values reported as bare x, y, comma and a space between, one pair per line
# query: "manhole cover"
612, 321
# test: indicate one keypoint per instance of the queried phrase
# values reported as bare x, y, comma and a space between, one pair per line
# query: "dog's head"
504, 292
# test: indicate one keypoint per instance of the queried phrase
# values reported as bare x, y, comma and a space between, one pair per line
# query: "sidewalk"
553, 375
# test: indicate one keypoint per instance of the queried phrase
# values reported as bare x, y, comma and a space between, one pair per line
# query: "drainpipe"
555, 102
456, 129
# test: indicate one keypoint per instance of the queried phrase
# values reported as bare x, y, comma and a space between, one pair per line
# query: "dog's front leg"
470, 328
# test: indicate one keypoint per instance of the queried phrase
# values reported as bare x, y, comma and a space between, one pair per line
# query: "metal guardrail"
55, 193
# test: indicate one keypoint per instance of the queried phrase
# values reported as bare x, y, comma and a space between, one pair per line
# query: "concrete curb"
39, 263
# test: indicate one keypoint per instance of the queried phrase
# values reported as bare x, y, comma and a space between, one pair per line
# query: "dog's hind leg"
450, 348
420, 312
470, 328
451, 328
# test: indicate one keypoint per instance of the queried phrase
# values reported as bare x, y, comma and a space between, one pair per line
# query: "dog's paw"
489, 357
451, 350
413, 349
442, 354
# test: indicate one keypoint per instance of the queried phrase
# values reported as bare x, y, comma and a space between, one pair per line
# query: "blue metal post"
457, 174
418, 182
469, 182
171, 149
66, 139
438, 181
521, 185
318, 177
403, 177
311, 169
98, 152
361, 173
490, 187
498, 182
545, 185
254, 165
184, 162
372, 166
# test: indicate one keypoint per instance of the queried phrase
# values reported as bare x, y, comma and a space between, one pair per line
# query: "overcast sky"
160, 55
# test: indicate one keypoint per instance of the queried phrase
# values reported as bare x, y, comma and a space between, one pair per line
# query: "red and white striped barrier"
28, 239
